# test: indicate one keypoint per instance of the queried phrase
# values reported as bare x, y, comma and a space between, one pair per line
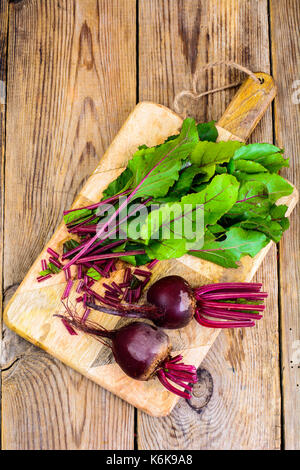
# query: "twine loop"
194, 93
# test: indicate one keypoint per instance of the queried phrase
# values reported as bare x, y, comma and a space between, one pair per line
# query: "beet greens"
235, 185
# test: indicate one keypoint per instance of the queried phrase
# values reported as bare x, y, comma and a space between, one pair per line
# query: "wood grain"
30, 311
72, 81
176, 39
286, 63
255, 96
3, 54
243, 365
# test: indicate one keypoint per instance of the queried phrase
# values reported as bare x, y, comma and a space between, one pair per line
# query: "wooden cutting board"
30, 311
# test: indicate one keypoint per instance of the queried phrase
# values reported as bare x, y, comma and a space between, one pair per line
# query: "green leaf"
91, 272
277, 213
273, 163
267, 155
276, 186
166, 231
176, 148
248, 166
216, 229
79, 216
118, 185
273, 230
166, 249
161, 163
244, 242
210, 153
157, 168
221, 169
184, 182
252, 200
207, 131
272, 226
238, 243
141, 260
174, 224
135, 260
54, 269
190, 179
182, 186
203, 175
158, 221
214, 201
206, 155
218, 197
128, 259
254, 151
221, 257
45, 272
70, 245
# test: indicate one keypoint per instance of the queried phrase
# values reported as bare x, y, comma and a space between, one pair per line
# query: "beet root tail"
228, 302
74, 322
128, 310
172, 370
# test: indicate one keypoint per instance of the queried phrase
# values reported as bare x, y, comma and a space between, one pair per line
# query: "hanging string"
194, 93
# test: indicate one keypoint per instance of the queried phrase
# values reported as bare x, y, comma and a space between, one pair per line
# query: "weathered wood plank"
3, 54
72, 82
285, 25
239, 379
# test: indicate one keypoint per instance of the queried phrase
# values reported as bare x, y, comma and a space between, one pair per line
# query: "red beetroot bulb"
173, 296
141, 350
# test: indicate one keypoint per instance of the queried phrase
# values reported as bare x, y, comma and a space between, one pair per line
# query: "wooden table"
70, 73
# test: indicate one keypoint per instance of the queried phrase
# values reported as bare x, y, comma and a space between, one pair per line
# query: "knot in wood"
202, 390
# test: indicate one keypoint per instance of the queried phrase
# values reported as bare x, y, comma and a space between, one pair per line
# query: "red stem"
109, 255
229, 306
228, 285
114, 216
220, 324
178, 382
162, 378
230, 315
235, 295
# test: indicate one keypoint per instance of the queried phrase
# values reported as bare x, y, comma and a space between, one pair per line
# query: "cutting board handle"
248, 106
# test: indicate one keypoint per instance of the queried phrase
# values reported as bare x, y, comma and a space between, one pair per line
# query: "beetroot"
141, 350
173, 296
172, 303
